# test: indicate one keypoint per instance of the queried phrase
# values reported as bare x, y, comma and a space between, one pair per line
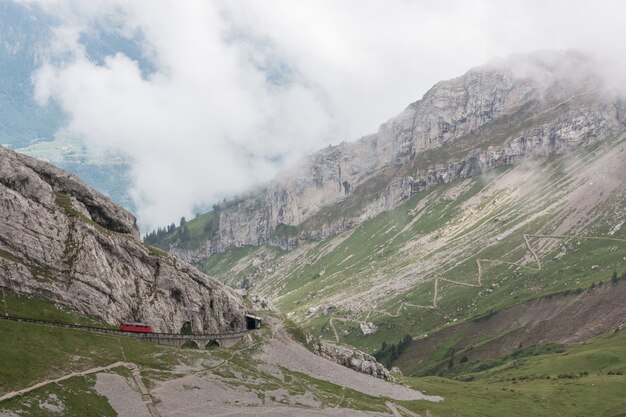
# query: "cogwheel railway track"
172, 339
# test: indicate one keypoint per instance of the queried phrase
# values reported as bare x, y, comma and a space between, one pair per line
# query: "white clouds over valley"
236, 89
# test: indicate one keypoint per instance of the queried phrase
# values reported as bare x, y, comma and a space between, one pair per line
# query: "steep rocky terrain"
62, 241
453, 252
521, 195
537, 105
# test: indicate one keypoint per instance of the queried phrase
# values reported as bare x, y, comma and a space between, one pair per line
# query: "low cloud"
237, 89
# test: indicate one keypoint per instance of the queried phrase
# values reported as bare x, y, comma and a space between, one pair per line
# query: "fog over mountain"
220, 95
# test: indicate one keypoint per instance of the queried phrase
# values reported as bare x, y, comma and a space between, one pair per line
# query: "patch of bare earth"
206, 394
287, 412
283, 351
125, 400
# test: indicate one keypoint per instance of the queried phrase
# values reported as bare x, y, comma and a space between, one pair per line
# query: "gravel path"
288, 412
12, 394
283, 351
191, 395
203, 395
125, 401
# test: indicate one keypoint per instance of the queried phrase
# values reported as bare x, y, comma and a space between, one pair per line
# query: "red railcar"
135, 327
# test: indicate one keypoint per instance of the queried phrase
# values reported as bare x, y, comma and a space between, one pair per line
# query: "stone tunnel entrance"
186, 329
253, 322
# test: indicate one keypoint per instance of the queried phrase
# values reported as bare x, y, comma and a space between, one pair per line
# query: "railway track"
174, 339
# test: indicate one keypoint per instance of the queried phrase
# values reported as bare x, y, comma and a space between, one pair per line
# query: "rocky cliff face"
62, 241
523, 107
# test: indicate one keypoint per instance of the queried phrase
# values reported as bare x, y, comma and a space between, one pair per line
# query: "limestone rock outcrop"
526, 106
62, 241
351, 358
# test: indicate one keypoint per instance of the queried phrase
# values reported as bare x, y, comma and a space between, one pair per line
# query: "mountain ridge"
489, 117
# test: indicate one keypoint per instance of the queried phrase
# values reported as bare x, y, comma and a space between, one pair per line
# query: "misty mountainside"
62, 241
455, 252
523, 107
501, 186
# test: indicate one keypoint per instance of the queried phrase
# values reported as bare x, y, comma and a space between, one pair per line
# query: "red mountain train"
135, 327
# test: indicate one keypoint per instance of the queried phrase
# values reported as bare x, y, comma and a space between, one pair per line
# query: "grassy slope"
31, 353
519, 387
76, 396
19, 305
578, 381
533, 383
435, 235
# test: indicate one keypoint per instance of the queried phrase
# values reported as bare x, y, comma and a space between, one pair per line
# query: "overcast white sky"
240, 88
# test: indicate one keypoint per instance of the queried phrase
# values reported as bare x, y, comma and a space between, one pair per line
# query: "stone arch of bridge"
191, 344
211, 344
199, 343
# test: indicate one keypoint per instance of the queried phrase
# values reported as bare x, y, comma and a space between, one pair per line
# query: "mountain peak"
520, 107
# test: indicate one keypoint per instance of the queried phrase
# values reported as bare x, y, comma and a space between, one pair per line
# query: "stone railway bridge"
170, 339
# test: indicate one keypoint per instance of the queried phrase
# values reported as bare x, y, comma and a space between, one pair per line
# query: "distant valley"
36, 129
108, 173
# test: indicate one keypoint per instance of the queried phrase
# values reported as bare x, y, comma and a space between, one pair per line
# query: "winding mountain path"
131, 366
479, 277
145, 394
